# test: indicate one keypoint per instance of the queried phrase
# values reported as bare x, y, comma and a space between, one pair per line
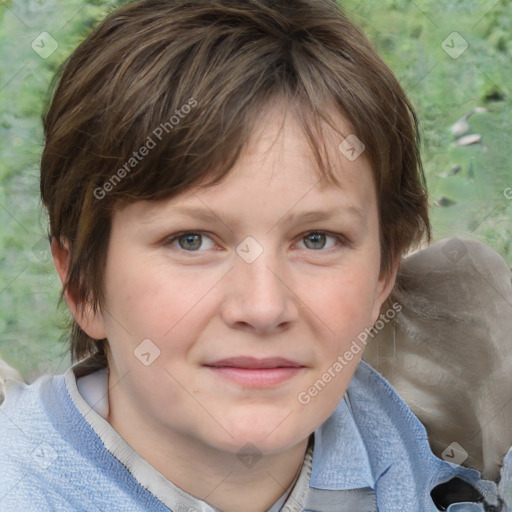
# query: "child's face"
250, 289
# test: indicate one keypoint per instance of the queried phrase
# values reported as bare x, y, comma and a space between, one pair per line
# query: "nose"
259, 298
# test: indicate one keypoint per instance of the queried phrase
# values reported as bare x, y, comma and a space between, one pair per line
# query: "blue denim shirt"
375, 448
371, 454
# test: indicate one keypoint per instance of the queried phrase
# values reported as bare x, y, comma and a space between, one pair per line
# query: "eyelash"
340, 240
177, 236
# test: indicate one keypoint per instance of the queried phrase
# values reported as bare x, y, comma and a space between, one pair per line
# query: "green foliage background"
409, 35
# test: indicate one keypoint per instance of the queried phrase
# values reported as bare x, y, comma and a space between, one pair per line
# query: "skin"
305, 298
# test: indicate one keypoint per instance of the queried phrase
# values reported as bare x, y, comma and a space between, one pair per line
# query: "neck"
227, 481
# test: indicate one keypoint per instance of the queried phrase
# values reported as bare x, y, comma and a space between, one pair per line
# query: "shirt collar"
90, 395
340, 459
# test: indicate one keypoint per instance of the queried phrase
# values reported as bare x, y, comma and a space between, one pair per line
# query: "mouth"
255, 373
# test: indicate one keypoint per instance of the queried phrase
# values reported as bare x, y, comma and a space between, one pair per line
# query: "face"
246, 293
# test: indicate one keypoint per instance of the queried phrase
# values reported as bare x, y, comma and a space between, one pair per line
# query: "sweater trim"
90, 396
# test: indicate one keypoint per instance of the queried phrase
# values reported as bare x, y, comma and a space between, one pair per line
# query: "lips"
251, 372
253, 363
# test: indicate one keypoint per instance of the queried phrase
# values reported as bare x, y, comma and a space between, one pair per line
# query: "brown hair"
163, 95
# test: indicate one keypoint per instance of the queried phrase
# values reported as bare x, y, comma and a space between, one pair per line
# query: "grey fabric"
360, 500
448, 352
91, 392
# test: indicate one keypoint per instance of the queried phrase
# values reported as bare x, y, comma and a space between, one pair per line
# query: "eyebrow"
203, 214
323, 215
206, 214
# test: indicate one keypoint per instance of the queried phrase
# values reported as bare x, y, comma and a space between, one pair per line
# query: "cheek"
344, 303
155, 301
344, 307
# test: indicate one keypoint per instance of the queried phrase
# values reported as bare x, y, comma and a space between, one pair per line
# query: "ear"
385, 284
90, 322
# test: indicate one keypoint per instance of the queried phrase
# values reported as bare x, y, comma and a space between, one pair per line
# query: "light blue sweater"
58, 454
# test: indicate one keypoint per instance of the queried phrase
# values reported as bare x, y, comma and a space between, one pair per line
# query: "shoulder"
28, 447
42, 467
24, 406
378, 409
397, 446
51, 459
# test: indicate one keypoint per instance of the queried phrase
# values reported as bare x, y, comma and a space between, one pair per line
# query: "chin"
265, 436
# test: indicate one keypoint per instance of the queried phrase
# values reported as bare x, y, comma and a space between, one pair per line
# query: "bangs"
165, 95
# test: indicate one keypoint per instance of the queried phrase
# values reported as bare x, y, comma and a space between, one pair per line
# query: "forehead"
316, 148
277, 174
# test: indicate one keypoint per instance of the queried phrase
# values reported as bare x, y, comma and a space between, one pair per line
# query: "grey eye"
190, 241
315, 240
